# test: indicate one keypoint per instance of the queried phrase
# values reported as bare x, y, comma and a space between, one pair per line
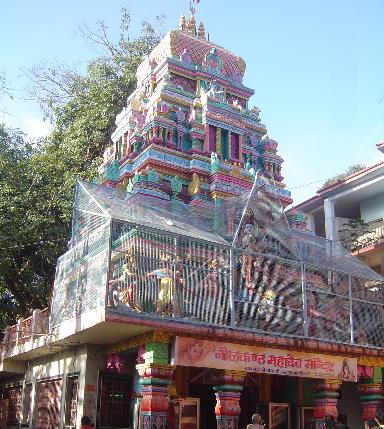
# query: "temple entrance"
207, 404
115, 399
249, 400
201, 385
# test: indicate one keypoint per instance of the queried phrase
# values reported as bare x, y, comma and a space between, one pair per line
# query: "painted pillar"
170, 140
371, 394
218, 142
326, 397
206, 138
329, 214
231, 149
240, 147
228, 387
155, 377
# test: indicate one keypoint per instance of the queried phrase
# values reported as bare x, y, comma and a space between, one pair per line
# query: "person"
371, 424
86, 423
329, 422
257, 422
379, 418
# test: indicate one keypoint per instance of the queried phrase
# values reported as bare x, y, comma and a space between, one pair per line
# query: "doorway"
207, 404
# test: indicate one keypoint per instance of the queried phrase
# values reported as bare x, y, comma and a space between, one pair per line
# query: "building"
351, 212
185, 299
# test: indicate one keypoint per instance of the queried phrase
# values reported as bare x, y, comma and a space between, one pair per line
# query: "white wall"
373, 208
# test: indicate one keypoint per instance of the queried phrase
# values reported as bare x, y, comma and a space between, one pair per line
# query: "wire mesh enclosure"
236, 265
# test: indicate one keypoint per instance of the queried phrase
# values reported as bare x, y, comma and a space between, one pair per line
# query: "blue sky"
316, 67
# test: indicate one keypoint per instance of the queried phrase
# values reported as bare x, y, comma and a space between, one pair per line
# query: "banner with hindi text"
239, 357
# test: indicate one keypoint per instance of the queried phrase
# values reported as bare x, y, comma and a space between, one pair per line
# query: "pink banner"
238, 357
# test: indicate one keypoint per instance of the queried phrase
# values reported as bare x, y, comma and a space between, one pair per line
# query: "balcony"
25, 333
371, 238
361, 237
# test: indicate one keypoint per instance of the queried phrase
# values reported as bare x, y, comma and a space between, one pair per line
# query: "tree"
5, 91
338, 178
31, 231
37, 178
352, 233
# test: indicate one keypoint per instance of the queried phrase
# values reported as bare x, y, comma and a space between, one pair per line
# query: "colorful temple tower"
187, 131
157, 313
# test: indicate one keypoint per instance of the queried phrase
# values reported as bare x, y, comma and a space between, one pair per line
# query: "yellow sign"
238, 357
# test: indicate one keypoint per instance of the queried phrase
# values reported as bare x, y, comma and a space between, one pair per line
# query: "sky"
315, 65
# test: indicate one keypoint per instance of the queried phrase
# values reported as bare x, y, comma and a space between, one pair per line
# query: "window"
26, 406
71, 401
13, 395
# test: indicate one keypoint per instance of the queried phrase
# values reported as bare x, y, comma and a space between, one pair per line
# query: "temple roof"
96, 205
179, 42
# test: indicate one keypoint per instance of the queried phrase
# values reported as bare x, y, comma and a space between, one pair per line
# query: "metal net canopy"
233, 263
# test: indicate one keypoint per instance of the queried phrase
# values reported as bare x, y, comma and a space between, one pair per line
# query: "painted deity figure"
207, 290
216, 91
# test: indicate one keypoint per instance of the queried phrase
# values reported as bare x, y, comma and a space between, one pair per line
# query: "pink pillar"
228, 392
327, 395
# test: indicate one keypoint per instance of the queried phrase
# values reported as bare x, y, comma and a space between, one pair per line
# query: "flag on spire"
191, 8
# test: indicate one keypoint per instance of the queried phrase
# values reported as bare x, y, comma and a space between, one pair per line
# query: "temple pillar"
371, 394
155, 377
228, 387
206, 138
218, 142
326, 398
240, 147
170, 139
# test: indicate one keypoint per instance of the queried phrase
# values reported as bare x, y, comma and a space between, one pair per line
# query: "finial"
182, 23
201, 31
192, 10
191, 25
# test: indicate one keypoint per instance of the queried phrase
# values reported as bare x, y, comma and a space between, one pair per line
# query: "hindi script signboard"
239, 357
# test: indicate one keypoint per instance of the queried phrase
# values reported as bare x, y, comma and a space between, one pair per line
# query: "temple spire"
201, 31
182, 23
191, 25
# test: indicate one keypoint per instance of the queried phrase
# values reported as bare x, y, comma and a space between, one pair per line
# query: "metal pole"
175, 292
109, 264
304, 293
350, 307
232, 287
245, 208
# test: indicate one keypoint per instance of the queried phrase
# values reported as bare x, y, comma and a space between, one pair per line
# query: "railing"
137, 271
164, 276
26, 330
369, 238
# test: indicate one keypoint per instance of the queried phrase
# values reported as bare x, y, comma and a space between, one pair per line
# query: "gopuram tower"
187, 131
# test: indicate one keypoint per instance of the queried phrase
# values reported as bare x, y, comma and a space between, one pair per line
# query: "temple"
187, 131
188, 299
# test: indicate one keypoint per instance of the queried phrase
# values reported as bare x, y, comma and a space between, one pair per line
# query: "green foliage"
338, 178
37, 178
352, 232
32, 232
